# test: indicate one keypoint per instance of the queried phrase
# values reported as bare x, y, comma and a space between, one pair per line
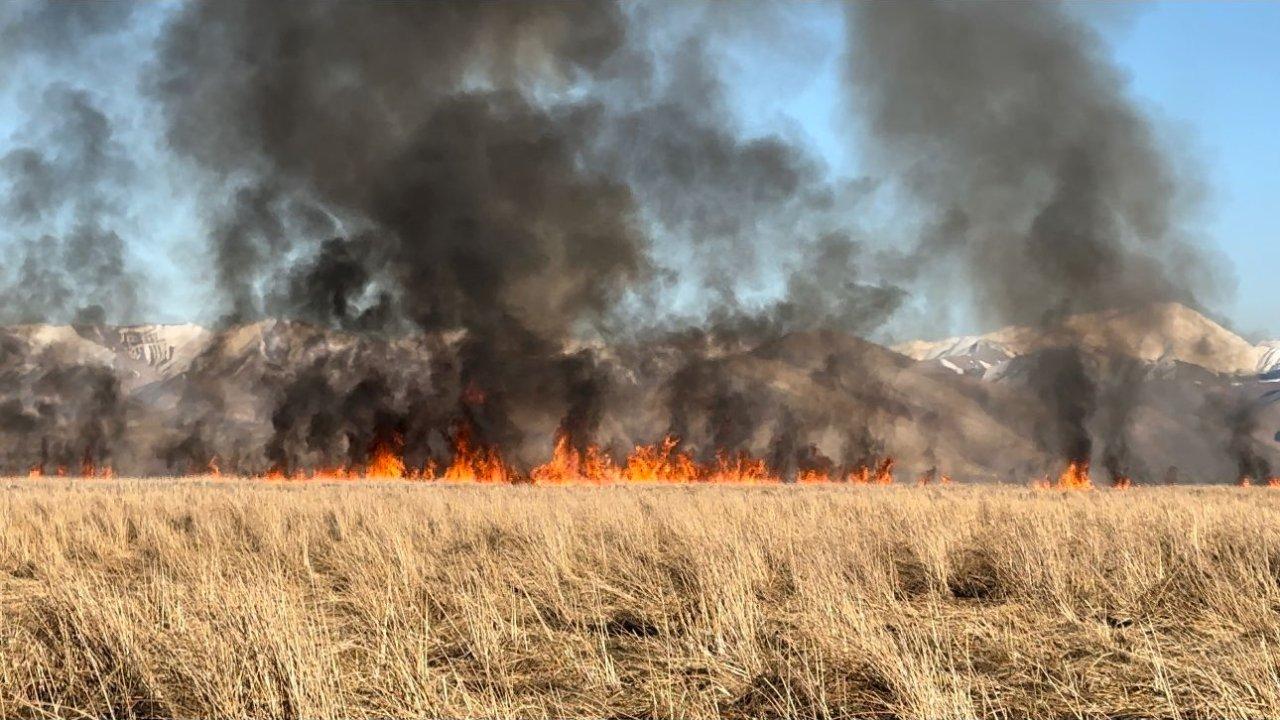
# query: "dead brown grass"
186, 599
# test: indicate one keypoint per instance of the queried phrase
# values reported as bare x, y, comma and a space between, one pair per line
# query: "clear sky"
1208, 74
1211, 72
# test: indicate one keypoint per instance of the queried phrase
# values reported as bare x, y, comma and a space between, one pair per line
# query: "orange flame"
742, 468
385, 462
884, 472
660, 463
569, 465
89, 470
1074, 477
1121, 482
813, 477
476, 464
860, 475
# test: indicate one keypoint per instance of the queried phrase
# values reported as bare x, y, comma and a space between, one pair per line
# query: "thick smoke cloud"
515, 219
59, 415
63, 176
1049, 190
513, 171
66, 177
63, 172
45, 30
1044, 192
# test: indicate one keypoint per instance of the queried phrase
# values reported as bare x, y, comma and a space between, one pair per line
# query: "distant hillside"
1161, 333
254, 393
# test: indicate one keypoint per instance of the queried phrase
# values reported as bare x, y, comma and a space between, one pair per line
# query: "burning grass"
233, 599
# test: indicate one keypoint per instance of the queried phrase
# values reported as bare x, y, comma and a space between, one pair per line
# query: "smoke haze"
519, 220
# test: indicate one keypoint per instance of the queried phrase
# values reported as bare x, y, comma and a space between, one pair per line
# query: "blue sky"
1208, 74
1211, 73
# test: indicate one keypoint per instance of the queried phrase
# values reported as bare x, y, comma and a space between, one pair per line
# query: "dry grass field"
136, 598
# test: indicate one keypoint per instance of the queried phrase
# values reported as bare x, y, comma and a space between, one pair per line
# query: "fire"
386, 461
662, 462
342, 473
930, 476
881, 474
813, 477
1075, 477
884, 472
569, 465
1273, 481
741, 468
1121, 482
428, 471
1244, 481
475, 463
666, 461
89, 470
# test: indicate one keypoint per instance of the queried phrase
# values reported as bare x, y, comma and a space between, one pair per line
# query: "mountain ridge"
1158, 333
189, 394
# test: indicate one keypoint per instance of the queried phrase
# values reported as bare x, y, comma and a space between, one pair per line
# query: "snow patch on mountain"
1162, 333
167, 348
1269, 359
967, 355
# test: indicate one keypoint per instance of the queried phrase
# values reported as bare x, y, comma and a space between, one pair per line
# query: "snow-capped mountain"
1269, 360
186, 393
1161, 334
969, 355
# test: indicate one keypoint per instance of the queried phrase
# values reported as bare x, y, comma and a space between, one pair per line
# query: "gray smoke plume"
426, 166
63, 174
67, 176
1043, 191
435, 218
1237, 415
58, 415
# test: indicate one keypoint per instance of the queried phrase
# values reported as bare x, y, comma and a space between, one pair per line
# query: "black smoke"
1042, 191
516, 172
522, 219
68, 176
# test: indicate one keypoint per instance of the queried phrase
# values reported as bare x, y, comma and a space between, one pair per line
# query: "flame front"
569, 465
386, 461
473, 463
666, 461
1074, 477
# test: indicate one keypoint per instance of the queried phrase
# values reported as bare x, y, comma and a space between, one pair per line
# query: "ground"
168, 598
